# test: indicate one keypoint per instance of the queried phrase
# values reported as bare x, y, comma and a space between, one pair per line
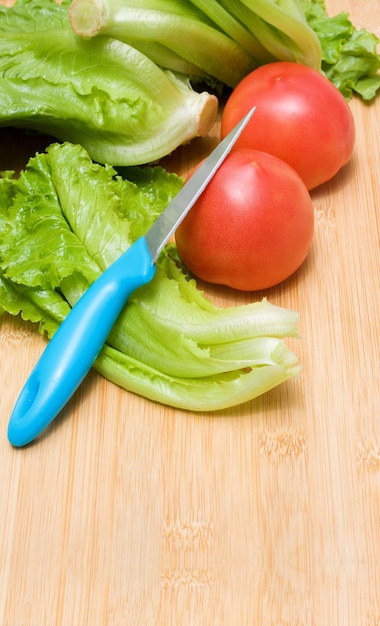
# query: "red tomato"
253, 225
301, 117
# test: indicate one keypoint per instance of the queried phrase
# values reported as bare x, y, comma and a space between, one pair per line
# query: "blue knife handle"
70, 353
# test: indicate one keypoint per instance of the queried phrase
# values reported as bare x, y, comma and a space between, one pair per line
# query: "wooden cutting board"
130, 513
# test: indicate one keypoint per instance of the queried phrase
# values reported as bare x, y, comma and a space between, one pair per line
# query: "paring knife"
70, 353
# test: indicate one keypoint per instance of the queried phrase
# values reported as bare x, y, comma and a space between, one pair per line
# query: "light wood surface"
130, 513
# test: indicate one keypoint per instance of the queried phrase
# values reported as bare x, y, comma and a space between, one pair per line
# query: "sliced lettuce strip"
71, 219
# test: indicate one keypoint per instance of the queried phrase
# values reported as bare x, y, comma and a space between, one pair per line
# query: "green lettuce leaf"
349, 56
209, 393
43, 307
37, 246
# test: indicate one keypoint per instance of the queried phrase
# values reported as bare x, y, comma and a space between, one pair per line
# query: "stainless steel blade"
166, 224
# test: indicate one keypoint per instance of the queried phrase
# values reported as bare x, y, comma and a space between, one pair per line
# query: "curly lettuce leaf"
349, 56
38, 247
44, 307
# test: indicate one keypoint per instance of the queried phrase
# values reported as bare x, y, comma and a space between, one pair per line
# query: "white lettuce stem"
198, 42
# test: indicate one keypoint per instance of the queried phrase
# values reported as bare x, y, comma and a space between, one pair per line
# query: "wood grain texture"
130, 513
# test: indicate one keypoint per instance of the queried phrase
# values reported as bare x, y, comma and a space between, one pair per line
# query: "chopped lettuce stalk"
103, 94
66, 219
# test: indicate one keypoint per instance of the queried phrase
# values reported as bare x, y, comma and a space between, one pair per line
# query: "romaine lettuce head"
103, 93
